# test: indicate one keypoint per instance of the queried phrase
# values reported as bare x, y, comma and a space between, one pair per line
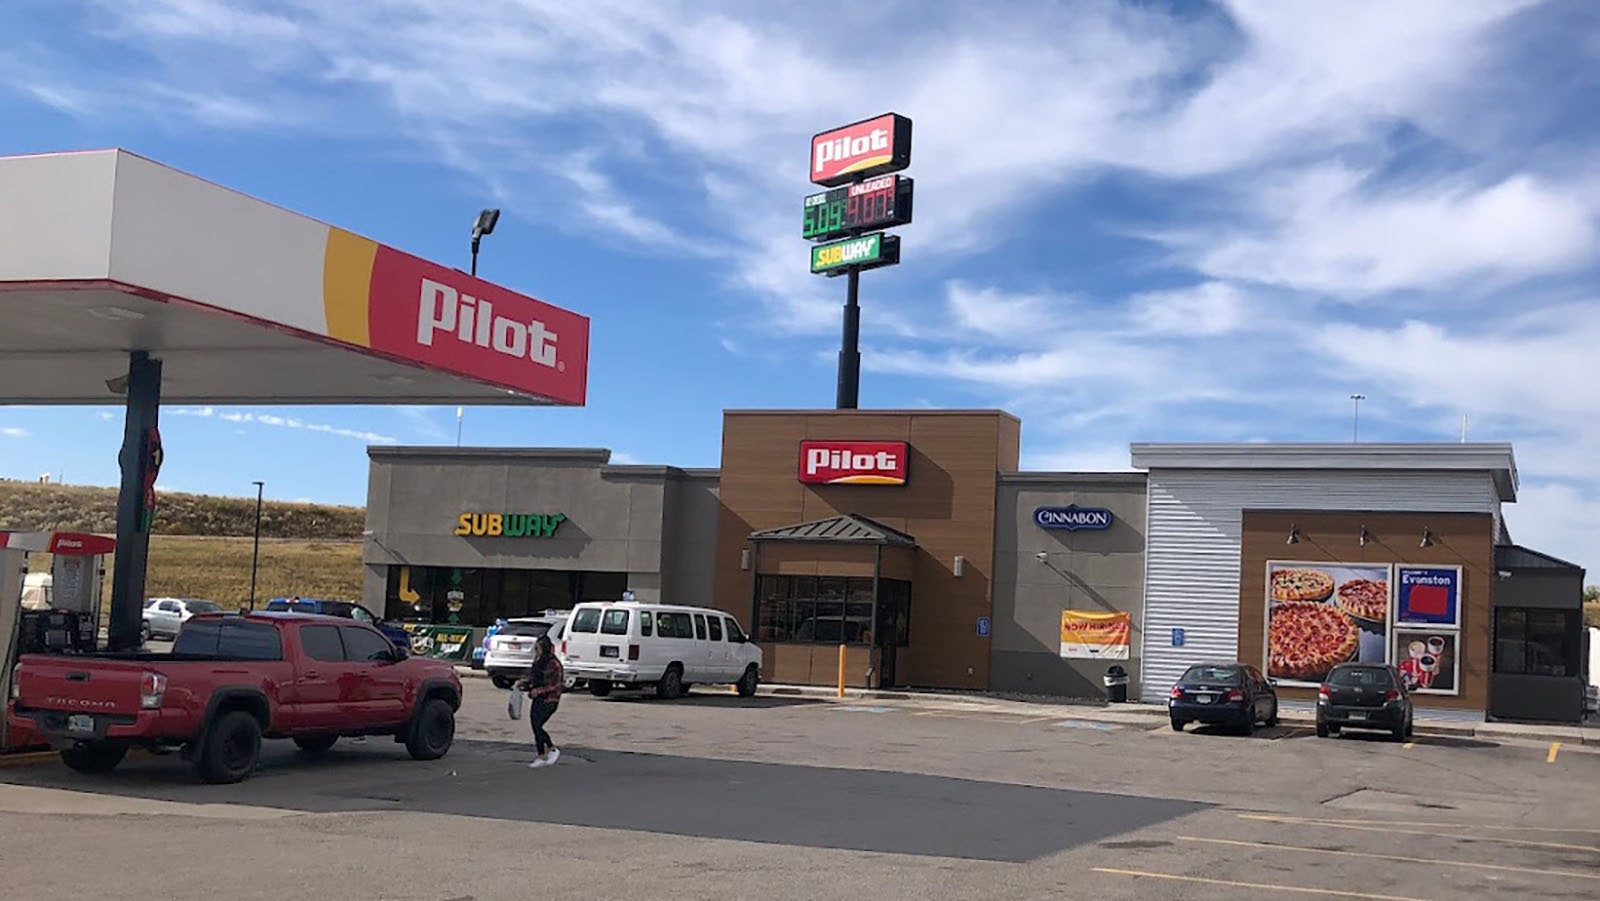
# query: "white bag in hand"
514, 704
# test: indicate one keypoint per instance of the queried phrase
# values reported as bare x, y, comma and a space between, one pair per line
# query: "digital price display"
882, 202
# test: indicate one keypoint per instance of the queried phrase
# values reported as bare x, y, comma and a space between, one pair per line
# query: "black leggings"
542, 711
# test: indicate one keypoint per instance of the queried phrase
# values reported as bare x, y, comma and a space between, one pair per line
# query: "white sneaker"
555, 754
538, 762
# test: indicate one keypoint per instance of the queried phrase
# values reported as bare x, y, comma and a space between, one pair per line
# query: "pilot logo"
472, 321
853, 462
509, 525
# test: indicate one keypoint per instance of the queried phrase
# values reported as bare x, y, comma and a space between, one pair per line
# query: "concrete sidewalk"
1138, 713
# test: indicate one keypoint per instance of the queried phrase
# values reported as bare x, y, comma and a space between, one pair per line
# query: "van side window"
586, 620
715, 624
674, 625
700, 626
735, 634
646, 620
615, 622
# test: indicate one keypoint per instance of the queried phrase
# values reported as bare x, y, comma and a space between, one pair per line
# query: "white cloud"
1323, 230
1211, 308
284, 422
1080, 457
623, 458
13, 432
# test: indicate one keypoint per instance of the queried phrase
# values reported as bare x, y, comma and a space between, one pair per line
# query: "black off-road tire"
232, 748
94, 756
432, 731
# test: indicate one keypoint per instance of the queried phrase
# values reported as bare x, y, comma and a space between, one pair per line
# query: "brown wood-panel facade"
1458, 539
947, 505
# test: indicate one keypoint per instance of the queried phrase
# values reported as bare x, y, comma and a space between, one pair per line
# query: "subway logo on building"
509, 525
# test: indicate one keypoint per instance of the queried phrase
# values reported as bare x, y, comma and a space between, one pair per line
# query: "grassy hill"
201, 546
28, 506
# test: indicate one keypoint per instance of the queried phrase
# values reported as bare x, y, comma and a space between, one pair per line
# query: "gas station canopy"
104, 253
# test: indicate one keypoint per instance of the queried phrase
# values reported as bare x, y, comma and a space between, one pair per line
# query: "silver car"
163, 617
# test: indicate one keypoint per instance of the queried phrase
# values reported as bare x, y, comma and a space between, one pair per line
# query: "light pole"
255, 553
1355, 424
484, 226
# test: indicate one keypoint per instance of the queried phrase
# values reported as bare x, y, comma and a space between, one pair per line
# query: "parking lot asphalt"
714, 796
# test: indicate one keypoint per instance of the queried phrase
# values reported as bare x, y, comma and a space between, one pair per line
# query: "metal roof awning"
105, 253
846, 528
1517, 557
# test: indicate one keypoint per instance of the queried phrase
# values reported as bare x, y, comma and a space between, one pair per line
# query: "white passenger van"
631, 645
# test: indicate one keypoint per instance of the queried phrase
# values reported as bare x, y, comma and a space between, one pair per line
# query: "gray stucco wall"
689, 557
616, 515
1084, 570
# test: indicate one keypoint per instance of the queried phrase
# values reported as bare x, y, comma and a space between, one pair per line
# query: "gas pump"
71, 622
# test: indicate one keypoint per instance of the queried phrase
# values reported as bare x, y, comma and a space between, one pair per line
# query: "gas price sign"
882, 202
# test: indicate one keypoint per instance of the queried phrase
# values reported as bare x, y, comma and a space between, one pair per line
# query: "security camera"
1042, 557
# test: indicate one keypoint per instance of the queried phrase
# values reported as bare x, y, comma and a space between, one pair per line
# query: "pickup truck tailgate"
80, 684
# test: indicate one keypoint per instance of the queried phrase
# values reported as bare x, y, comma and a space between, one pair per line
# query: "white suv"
630, 645
510, 651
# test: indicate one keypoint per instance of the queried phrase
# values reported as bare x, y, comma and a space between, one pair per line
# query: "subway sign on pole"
861, 150
857, 254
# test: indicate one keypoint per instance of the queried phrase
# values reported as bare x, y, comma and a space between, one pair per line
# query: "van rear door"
582, 638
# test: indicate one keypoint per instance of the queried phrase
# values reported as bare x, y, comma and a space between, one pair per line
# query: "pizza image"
1306, 639
1301, 585
1366, 599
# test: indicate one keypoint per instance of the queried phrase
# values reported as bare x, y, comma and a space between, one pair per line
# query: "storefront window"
830, 609
1532, 642
477, 597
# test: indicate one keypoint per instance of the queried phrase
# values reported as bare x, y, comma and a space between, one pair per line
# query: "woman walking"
543, 686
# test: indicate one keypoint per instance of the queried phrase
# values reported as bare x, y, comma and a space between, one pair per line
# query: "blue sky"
1143, 221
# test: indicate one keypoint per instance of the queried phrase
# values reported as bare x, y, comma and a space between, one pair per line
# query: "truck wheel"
670, 688
315, 744
749, 682
503, 683
433, 731
232, 748
94, 756
599, 687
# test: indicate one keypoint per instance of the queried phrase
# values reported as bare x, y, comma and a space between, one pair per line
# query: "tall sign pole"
855, 162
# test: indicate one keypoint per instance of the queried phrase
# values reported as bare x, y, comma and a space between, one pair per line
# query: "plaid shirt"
546, 678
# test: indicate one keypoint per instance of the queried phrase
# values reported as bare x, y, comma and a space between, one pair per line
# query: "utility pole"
255, 553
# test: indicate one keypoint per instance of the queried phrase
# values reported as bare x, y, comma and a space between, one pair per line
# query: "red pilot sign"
853, 462
864, 149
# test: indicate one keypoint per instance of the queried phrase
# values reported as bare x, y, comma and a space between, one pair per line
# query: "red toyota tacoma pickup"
230, 681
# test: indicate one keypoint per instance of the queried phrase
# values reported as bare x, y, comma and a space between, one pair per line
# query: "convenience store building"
914, 538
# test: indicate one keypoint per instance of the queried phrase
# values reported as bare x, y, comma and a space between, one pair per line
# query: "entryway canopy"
848, 528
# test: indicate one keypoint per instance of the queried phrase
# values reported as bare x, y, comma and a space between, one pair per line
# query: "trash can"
1116, 680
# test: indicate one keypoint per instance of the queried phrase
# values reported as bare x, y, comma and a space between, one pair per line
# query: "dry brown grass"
27, 506
218, 569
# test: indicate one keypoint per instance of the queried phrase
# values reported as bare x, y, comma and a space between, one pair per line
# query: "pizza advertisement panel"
1323, 614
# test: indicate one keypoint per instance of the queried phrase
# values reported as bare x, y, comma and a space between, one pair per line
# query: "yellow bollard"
841, 670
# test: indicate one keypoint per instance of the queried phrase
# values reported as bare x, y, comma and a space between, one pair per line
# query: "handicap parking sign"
983, 627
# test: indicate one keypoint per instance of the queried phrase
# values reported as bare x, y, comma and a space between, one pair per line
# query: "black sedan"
1227, 694
1364, 696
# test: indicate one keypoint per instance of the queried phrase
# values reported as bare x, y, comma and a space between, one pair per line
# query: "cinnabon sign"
853, 462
